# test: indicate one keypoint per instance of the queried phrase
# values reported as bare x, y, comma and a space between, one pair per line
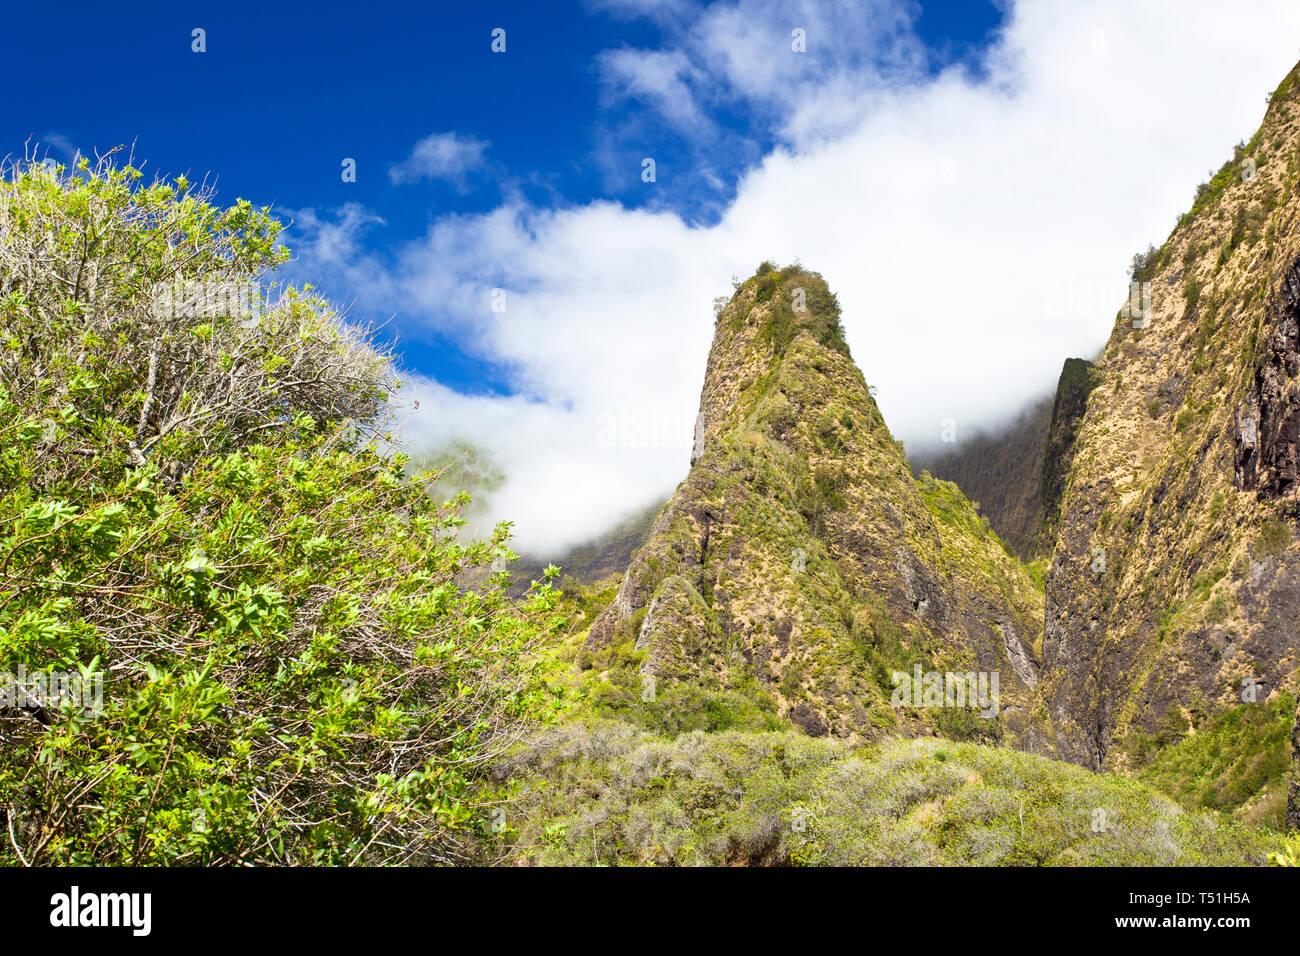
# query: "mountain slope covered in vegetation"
1174, 584
800, 561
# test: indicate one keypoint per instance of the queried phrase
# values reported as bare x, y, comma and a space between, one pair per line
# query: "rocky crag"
801, 558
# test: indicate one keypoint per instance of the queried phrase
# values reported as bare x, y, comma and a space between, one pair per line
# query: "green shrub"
295, 669
621, 796
1145, 265
681, 707
820, 316
1230, 760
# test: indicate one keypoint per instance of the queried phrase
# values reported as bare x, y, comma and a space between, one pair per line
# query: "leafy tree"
197, 510
1144, 265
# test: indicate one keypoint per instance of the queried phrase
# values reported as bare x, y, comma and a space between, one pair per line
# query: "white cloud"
743, 53
446, 156
61, 143
662, 79
977, 234
327, 250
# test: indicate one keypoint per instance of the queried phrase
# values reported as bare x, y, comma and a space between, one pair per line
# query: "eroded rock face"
1268, 424
1175, 574
1068, 408
800, 557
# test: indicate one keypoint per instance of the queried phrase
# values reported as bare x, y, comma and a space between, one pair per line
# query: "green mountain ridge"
730, 703
1162, 483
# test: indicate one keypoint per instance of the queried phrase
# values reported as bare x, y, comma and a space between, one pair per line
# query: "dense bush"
1145, 265
605, 792
799, 300
195, 508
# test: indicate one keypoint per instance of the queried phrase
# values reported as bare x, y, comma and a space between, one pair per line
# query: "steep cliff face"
1174, 587
800, 557
1068, 407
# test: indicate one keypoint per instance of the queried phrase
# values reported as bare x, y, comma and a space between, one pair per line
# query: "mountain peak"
800, 561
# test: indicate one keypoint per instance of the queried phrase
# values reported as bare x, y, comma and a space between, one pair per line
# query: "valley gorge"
1122, 556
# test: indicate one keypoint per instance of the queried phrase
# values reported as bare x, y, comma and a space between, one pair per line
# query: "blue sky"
284, 93
971, 179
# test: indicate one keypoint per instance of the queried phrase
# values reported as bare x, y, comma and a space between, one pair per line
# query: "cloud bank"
976, 227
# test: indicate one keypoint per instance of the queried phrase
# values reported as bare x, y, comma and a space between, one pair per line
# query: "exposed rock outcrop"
1268, 421
800, 556
1068, 407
